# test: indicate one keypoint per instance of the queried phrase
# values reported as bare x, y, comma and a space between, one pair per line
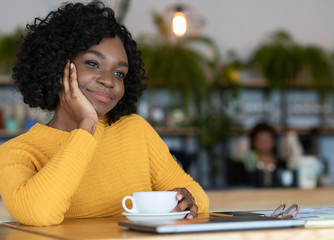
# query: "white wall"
233, 24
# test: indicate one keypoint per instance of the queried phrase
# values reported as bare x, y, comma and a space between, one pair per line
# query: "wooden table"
265, 199
10, 234
107, 228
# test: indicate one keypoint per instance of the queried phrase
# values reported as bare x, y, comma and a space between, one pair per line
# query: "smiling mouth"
101, 96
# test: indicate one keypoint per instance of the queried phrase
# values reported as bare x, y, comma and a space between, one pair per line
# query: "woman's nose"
107, 80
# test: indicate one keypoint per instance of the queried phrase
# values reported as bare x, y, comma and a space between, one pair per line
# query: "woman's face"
101, 71
264, 142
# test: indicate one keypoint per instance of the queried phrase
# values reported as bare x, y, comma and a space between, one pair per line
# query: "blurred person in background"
262, 161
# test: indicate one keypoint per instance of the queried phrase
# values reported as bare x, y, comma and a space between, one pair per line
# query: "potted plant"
285, 63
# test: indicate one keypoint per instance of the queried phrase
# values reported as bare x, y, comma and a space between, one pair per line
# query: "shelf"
6, 134
262, 83
5, 80
298, 130
177, 132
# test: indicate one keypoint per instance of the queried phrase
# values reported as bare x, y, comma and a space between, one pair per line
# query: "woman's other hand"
73, 101
186, 201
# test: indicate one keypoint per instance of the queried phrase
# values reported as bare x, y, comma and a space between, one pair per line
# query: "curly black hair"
262, 127
61, 35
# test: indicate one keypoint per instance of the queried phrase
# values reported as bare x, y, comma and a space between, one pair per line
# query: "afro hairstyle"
72, 28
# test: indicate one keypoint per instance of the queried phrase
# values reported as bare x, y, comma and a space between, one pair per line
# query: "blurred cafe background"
241, 91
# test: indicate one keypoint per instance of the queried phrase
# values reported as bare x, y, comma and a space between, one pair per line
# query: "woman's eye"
119, 74
92, 64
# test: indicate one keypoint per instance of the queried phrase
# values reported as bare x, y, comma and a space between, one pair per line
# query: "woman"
263, 146
262, 161
83, 65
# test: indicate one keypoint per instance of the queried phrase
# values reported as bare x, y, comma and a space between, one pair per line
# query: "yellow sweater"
47, 174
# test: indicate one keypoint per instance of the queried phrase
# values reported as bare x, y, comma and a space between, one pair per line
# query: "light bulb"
179, 25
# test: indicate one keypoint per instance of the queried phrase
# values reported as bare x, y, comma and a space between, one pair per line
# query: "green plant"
318, 67
8, 50
284, 63
278, 60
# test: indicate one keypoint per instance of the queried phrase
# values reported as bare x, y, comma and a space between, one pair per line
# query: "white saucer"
149, 217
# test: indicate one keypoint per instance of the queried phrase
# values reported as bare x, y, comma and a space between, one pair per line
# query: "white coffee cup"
151, 202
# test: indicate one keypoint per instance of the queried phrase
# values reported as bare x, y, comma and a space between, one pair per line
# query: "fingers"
186, 201
66, 76
73, 83
70, 82
193, 212
73, 101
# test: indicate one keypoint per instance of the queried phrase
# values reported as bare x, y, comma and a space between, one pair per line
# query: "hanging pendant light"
179, 24
183, 20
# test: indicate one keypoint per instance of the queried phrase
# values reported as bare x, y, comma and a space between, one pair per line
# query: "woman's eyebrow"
101, 55
97, 53
123, 64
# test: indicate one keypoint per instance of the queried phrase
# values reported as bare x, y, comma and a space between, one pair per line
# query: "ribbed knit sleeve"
166, 172
40, 194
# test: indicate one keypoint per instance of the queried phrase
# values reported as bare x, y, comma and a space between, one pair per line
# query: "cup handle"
134, 208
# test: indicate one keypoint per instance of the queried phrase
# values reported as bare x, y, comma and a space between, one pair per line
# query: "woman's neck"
266, 157
62, 121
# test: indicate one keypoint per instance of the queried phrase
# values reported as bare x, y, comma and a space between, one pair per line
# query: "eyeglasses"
290, 212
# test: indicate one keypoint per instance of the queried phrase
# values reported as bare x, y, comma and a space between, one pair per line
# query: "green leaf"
9, 44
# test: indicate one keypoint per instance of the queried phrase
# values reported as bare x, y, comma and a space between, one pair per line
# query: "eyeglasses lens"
278, 211
290, 212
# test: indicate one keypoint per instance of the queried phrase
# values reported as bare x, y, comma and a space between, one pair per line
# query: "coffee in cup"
151, 202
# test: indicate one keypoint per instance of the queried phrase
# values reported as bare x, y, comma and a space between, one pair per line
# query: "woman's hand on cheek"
74, 102
186, 201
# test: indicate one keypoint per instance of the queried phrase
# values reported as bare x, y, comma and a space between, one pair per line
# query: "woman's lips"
102, 96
